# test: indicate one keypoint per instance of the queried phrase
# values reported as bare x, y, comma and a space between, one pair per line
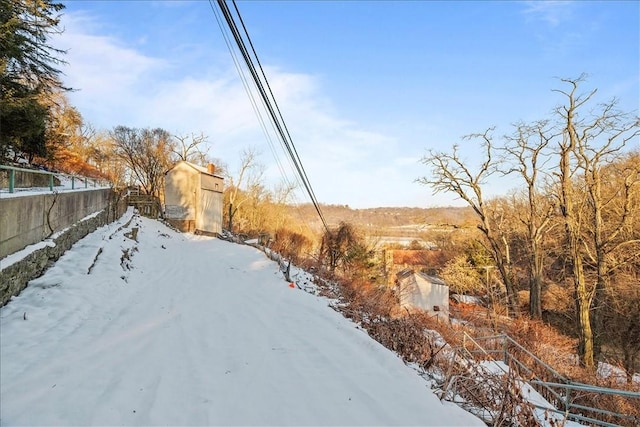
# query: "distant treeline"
384, 217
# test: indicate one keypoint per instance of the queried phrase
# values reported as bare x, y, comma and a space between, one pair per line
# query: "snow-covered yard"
177, 329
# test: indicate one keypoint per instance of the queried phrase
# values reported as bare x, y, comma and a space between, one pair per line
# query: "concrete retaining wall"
25, 220
14, 278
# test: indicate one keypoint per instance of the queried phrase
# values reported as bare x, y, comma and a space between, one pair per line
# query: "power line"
295, 155
268, 100
259, 115
252, 100
277, 121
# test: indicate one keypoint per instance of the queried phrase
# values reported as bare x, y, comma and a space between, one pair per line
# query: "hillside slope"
386, 217
175, 329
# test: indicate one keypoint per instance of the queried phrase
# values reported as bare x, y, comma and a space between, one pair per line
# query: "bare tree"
249, 176
450, 173
622, 317
102, 149
343, 248
189, 148
146, 153
283, 191
610, 209
587, 144
524, 151
572, 217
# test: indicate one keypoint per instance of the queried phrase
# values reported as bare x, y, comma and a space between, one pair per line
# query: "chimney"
211, 168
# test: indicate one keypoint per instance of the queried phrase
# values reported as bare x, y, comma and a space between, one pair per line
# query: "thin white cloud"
557, 28
551, 12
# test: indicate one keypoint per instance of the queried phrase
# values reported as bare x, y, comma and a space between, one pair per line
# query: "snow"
66, 185
176, 329
11, 259
606, 370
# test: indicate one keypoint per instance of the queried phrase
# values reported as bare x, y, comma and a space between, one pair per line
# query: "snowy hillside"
176, 329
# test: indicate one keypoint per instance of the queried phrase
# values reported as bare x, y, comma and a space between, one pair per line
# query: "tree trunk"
585, 345
503, 268
599, 302
629, 364
535, 298
535, 284
595, 193
584, 298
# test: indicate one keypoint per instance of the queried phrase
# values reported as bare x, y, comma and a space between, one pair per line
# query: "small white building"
419, 291
193, 198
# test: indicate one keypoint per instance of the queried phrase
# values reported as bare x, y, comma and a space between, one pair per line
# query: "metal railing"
561, 392
76, 180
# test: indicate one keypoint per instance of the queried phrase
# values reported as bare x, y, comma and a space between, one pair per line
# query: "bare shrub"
558, 299
552, 347
405, 336
290, 244
492, 394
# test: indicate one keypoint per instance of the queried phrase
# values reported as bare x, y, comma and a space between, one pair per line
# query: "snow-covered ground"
175, 329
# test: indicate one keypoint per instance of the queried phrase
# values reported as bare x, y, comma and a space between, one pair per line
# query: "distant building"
396, 260
419, 291
193, 198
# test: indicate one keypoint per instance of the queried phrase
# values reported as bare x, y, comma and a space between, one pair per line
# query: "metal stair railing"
558, 390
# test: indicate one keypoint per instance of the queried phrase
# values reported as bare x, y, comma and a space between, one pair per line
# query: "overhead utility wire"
245, 84
282, 141
267, 102
294, 155
288, 143
257, 110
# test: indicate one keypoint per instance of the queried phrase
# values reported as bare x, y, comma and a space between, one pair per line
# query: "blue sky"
365, 87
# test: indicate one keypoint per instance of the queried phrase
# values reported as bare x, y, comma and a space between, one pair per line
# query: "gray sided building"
419, 291
193, 198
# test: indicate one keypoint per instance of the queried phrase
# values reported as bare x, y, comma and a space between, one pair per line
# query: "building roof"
198, 168
432, 279
408, 272
404, 273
